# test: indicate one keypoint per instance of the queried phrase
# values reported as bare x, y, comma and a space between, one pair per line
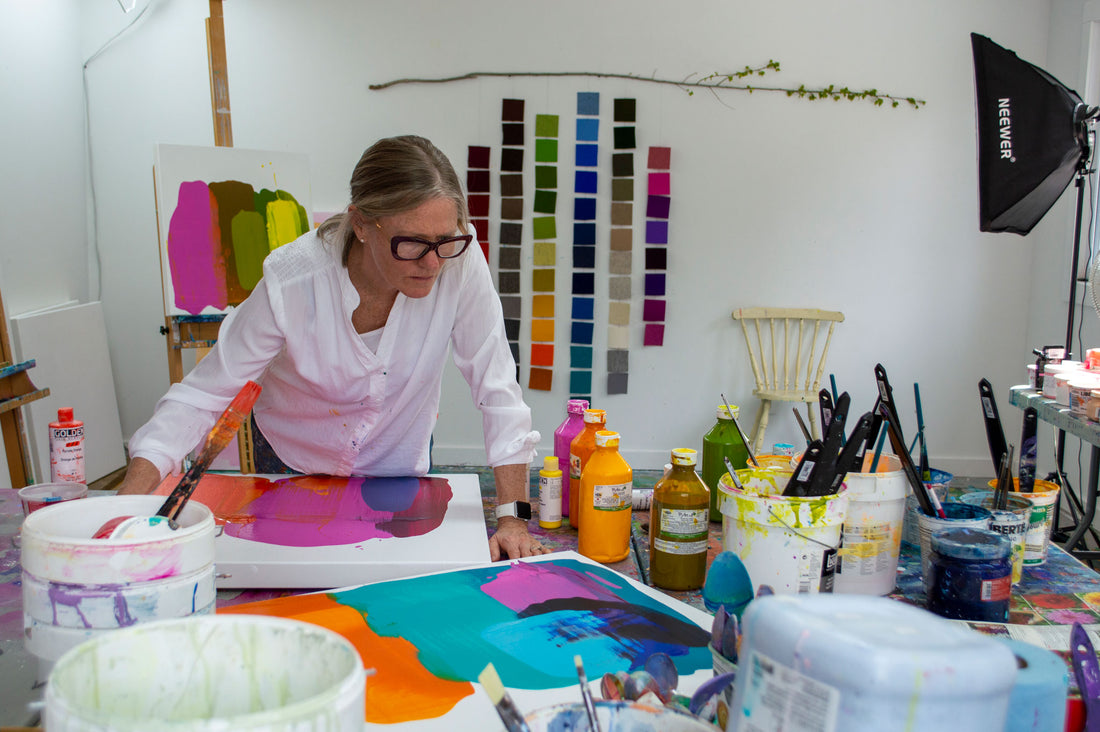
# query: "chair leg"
811, 413
761, 425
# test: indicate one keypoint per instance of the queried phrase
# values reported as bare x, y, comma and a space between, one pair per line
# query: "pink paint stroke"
194, 250
530, 583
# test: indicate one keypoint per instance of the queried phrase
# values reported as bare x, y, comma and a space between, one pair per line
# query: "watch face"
523, 510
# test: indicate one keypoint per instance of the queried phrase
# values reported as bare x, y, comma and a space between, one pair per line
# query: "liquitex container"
852, 663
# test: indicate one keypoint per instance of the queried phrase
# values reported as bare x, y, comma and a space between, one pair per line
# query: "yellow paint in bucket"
788, 543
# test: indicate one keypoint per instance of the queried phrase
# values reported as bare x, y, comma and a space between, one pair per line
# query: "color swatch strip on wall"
511, 219
545, 256
622, 238
583, 305
656, 241
478, 190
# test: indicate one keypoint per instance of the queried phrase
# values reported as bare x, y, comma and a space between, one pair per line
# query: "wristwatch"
515, 509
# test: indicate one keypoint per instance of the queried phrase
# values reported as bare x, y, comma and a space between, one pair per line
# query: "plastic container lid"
607, 438
723, 413
684, 456
595, 416
550, 463
576, 406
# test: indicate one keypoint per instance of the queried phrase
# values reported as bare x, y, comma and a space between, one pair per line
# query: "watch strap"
515, 509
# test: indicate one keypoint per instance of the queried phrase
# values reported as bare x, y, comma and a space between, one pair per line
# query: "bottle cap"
65, 414
550, 463
684, 456
724, 414
595, 416
576, 406
607, 438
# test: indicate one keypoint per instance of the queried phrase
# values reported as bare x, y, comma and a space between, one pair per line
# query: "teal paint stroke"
458, 626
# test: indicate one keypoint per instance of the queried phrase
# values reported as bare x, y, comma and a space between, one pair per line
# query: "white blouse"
330, 403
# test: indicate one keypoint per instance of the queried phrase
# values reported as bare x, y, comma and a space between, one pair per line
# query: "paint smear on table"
218, 236
429, 637
312, 510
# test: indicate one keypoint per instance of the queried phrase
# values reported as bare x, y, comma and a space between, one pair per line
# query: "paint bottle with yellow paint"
605, 490
678, 526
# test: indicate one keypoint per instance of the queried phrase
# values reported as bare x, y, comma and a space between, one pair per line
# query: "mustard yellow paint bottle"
678, 524
604, 502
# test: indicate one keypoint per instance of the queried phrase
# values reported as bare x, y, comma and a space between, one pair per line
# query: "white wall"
872, 211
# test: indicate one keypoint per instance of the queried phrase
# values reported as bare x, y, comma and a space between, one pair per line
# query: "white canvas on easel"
69, 346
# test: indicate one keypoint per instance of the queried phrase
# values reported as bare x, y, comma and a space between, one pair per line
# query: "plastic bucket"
75, 587
872, 529
36, 497
1043, 498
939, 483
782, 462
1013, 522
785, 542
958, 516
210, 674
615, 716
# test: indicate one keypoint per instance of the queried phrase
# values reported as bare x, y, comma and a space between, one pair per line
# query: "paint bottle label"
615, 497
550, 500
66, 448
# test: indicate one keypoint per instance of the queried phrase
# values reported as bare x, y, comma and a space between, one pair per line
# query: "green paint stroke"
249, 236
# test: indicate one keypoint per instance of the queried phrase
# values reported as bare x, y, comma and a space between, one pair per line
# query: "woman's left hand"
512, 540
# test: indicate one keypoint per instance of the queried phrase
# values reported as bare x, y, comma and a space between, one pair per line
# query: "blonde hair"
395, 175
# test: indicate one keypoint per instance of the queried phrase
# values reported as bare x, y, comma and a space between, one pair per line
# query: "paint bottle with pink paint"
66, 448
570, 427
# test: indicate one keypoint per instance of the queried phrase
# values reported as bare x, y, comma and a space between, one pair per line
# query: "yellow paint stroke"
283, 223
401, 690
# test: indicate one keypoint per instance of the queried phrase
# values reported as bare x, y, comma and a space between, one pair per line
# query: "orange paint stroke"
401, 690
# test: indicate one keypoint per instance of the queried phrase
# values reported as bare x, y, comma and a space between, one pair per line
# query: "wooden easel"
16, 390
201, 331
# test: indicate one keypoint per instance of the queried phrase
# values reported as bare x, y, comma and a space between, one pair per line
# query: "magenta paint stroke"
195, 250
311, 511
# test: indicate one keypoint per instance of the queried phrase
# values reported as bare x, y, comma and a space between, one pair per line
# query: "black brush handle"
1029, 450
886, 394
853, 451
920, 490
803, 475
825, 402
823, 476
994, 432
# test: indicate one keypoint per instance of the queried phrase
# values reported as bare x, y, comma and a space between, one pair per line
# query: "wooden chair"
787, 350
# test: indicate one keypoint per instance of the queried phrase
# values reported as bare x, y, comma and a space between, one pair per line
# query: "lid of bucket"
974, 544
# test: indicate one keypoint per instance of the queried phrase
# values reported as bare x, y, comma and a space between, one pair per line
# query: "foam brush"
506, 708
223, 431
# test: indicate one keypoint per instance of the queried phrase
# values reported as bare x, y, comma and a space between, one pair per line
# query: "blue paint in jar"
971, 575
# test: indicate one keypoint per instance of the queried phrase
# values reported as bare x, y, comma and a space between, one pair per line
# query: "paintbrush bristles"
506, 708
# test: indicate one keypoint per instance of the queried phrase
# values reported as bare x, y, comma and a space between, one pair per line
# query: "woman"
348, 333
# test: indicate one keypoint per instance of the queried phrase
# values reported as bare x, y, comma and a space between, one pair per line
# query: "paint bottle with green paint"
678, 526
723, 441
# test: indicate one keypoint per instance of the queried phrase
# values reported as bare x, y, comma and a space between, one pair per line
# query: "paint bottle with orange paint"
606, 486
580, 449
66, 448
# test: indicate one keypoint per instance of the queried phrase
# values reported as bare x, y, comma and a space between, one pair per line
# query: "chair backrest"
788, 346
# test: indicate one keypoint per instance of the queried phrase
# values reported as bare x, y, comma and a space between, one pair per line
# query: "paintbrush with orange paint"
223, 431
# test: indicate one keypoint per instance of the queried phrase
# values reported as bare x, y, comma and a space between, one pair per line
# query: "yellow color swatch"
542, 330
542, 280
546, 254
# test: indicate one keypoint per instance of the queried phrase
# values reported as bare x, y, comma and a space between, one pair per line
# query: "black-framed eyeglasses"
409, 247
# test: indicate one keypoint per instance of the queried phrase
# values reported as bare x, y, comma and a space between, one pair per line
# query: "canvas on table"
428, 637
319, 531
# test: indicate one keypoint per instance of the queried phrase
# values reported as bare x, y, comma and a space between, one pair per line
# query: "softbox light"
1031, 138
